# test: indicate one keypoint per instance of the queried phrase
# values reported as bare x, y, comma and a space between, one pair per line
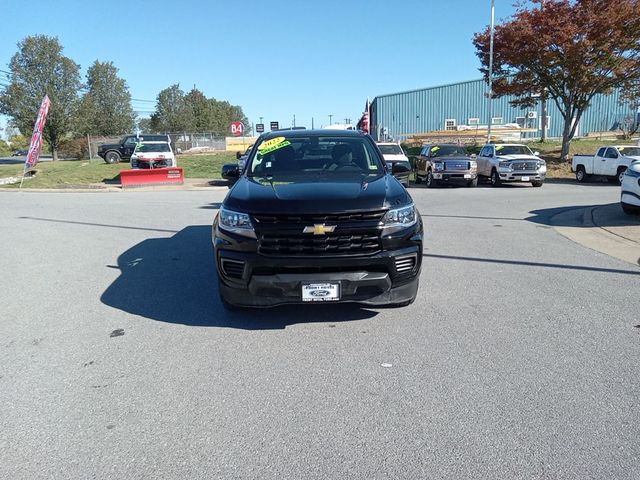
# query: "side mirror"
230, 171
537, 154
238, 155
400, 168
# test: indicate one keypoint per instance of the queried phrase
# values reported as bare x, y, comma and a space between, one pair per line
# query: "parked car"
511, 163
630, 194
153, 155
316, 217
394, 155
114, 153
20, 153
443, 163
242, 157
610, 161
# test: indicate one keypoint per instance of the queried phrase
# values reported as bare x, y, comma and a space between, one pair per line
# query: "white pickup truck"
611, 162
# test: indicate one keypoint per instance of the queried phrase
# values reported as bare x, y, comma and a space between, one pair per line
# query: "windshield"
448, 151
152, 147
629, 151
391, 149
326, 155
513, 150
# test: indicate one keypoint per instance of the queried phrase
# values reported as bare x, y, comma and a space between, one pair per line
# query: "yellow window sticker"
273, 148
435, 149
499, 147
270, 143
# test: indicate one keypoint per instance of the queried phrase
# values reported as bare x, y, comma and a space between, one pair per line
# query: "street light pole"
330, 117
493, 19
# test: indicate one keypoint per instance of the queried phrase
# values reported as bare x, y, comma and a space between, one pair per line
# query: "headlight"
438, 166
400, 218
506, 165
235, 222
542, 165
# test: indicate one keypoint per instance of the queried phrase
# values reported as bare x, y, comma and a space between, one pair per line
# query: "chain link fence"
184, 142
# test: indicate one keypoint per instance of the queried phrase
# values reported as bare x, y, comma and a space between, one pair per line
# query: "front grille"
526, 166
231, 268
406, 264
308, 244
317, 218
354, 234
456, 165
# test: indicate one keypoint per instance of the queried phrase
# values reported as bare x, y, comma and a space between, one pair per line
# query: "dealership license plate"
320, 292
525, 179
467, 175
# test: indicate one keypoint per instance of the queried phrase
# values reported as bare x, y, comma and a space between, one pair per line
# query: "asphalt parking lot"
519, 359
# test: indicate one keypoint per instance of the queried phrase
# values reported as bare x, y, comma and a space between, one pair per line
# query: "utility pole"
312, 123
330, 117
260, 119
493, 19
294, 120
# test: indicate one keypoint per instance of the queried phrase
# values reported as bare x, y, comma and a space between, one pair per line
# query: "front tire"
581, 174
112, 157
429, 182
620, 176
537, 184
495, 178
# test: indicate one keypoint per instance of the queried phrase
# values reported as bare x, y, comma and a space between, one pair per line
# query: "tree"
200, 115
39, 69
106, 107
194, 112
575, 49
144, 124
172, 114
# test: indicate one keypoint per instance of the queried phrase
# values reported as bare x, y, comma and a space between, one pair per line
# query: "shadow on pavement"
174, 280
586, 216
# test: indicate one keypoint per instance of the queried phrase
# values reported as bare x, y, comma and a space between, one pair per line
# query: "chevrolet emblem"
319, 229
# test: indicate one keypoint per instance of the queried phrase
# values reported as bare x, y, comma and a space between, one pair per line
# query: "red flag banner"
36, 138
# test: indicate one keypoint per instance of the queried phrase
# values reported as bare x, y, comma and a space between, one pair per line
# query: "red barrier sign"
237, 129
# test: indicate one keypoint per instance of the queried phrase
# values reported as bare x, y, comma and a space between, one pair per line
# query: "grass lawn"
85, 173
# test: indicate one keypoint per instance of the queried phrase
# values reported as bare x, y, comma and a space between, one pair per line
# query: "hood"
518, 157
395, 157
347, 193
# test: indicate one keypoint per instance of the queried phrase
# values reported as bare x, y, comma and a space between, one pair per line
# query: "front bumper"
247, 278
461, 177
522, 176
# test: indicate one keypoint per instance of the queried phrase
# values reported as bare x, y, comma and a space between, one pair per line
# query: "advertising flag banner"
36, 138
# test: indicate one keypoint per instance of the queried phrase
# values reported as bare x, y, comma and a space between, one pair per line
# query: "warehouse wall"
425, 110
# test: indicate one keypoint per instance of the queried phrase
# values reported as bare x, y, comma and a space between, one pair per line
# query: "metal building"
463, 106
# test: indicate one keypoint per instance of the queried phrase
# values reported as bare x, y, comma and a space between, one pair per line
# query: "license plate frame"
327, 292
525, 179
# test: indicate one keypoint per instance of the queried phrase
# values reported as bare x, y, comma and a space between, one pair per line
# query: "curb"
590, 227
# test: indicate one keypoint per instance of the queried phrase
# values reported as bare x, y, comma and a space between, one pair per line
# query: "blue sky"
274, 58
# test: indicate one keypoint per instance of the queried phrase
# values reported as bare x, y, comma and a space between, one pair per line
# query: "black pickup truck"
114, 153
316, 216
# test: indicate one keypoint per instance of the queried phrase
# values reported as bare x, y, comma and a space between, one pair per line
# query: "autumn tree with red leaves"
575, 49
